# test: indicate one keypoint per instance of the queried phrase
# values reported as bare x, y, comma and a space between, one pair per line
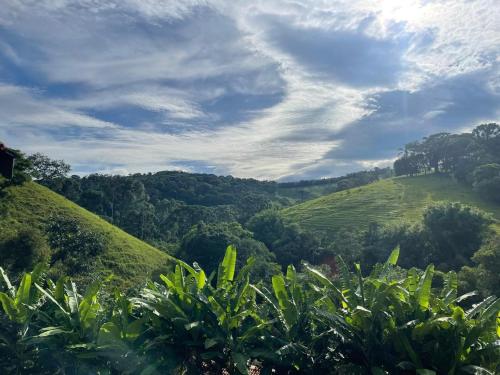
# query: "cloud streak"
266, 89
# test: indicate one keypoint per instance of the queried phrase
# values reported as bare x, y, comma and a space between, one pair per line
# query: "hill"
385, 202
171, 202
128, 258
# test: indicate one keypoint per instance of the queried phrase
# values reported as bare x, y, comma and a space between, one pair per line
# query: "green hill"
386, 201
30, 205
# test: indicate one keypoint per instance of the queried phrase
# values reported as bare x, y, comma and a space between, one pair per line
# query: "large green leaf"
10, 289
424, 287
23, 292
326, 282
393, 258
9, 306
285, 303
52, 299
240, 360
227, 267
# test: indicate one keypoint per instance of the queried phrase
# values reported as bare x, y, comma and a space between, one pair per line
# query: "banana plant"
392, 321
20, 305
400, 325
176, 315
121, 336
214, 322
71, 325
295, 341
234, 322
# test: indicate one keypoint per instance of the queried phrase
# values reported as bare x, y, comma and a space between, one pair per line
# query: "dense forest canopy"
167, 204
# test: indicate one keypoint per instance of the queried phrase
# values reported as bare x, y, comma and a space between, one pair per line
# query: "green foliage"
458, 154
456, 233
387, 202
289, 242
27, 208
42, 167
487, 181
162, 207
390, 322
449, 236
206, 243
267, 226
484, 276
73, 244
23, 251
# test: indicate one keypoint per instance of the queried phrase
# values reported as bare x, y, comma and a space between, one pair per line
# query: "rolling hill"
385, 202
30, 205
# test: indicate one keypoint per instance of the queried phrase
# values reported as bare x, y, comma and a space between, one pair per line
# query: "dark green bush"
73, 244
27, 248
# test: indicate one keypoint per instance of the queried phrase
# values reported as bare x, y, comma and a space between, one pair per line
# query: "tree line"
162, 207
472, 158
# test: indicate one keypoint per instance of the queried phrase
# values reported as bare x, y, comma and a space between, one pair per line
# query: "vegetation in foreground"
391, 322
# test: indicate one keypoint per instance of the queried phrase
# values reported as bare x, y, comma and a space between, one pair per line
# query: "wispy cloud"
267, 89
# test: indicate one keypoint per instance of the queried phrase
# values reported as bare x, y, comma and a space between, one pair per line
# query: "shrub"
485, 275
23, 251
73, 244
456, 232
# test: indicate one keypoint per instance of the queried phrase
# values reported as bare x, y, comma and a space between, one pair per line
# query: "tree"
44, 168
289, 242
485, 275
456, 231
348, 244
434, 149
413, 241
486, 132
206, 244
487, 181
457, 151
267, 226
412, 164
296, 245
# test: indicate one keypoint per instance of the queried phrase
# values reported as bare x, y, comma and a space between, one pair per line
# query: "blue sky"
269, 89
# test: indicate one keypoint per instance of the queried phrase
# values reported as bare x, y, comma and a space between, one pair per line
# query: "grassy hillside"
302, 193
30, 205
386, 201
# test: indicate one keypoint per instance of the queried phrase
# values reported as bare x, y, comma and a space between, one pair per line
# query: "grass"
302, 193
390, 201
129, 259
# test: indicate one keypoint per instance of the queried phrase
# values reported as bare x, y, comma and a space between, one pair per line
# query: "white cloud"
177, 58
24, 107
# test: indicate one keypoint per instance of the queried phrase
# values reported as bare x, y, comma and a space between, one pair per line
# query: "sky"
273, 89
